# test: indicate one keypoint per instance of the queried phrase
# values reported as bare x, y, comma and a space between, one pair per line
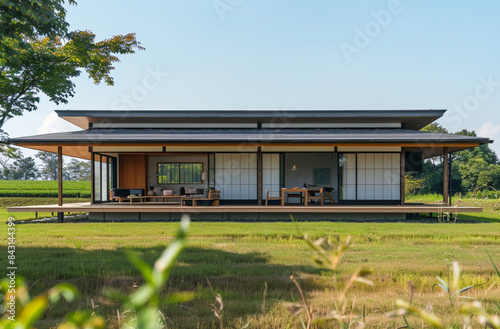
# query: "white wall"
305, 163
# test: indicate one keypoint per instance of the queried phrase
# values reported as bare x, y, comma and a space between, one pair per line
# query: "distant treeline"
476, 169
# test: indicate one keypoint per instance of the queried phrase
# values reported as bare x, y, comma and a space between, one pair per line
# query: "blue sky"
243, 54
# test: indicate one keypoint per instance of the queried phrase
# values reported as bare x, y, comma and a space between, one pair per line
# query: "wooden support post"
60, 215
259, 176
450, 186
92, 175
445, 175
402, 166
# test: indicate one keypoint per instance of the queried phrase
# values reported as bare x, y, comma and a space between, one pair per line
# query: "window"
180, 173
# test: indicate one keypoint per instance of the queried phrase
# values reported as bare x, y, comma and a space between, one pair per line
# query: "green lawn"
240, 258
491, 207
16, 201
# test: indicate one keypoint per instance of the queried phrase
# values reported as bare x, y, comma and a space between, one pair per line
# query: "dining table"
305, 191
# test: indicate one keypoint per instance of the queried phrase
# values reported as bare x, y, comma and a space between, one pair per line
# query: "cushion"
120, 192
158, 190
168, 192
136, 191
190, 190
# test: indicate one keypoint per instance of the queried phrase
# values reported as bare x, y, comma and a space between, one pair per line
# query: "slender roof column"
445, 174
259, 176
402, 166
60, 215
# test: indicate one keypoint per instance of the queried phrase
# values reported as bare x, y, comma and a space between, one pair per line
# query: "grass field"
491, 207
34, 189
16, 201
239, 259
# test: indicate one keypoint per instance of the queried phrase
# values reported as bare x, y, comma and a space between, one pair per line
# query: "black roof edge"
251, 113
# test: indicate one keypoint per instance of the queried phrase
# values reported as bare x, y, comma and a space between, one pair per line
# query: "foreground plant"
329, 255
471, 311
142, 307
21, 311
452, 287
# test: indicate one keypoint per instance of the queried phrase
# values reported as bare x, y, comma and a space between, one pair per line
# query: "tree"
49, 165
435, 128
413, 185
77, 170
24, 169
38, 53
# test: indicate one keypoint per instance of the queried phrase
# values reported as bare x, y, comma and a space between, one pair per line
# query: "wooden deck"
163, 208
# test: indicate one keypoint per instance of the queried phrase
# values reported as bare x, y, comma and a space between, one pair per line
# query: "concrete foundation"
243, 217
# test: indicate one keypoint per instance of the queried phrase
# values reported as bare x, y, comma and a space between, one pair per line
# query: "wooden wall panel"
133, 171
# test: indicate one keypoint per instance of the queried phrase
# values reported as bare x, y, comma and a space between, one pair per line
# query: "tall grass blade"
407, 324
493, 263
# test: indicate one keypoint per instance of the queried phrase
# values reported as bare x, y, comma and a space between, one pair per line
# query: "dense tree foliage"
49, 167
25, 168
38, 54
472, 168
76, 170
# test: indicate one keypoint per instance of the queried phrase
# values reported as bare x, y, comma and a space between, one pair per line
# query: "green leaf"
148, 319
68, 291
181, 297
33, 311
407, 324
115, 295
142, 296
142, 266
493, 263
443, 285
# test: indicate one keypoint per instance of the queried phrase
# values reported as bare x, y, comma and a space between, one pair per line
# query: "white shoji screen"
271, 174
348, 163
378, 176
236, 175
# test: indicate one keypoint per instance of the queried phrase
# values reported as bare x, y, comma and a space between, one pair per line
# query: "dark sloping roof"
411, 119
131, 136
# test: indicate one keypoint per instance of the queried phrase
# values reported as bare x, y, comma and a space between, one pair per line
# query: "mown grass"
239, 258
16, 202
491, 207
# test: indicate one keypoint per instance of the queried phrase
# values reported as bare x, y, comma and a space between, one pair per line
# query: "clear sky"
292, 54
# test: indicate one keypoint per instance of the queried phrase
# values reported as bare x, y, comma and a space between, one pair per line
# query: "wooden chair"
113, 197
295, 195
212, 199
269, 197
314, 196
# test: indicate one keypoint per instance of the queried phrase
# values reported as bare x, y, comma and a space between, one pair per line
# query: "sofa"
119, 194
201, 195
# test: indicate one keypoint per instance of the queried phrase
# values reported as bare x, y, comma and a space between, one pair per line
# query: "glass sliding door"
347, 179
366, 177
104, 177
271, 174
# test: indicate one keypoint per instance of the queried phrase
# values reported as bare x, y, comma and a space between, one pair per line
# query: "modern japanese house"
359, 158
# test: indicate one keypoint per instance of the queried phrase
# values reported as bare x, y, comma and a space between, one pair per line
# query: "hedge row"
37, 189
40, 194
16, 185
